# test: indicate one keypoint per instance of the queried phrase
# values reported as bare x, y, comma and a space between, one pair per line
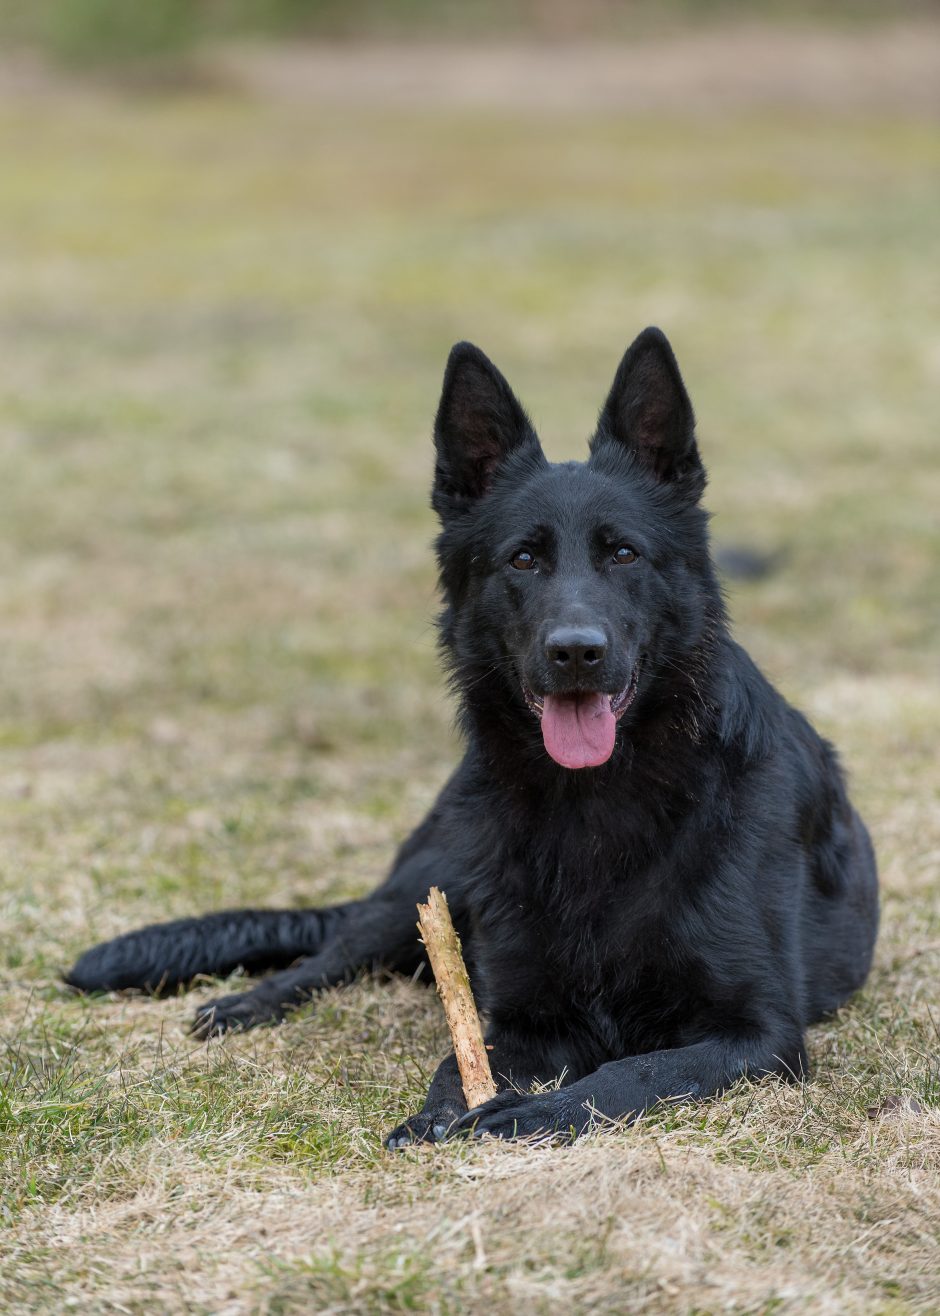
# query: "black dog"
651, 857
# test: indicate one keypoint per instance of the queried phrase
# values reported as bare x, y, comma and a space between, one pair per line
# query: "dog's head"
574, 592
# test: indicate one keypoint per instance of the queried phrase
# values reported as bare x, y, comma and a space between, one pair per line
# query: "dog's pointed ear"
648, 412
479, 424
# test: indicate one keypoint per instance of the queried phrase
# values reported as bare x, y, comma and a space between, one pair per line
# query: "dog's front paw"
526, 1115
236, 1013
426, 1126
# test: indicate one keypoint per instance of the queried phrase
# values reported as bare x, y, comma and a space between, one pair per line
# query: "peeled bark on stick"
443, 947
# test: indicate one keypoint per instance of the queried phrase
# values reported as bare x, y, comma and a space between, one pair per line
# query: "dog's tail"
163, 956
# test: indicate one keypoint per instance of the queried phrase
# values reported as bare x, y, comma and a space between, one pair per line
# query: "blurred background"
237, 239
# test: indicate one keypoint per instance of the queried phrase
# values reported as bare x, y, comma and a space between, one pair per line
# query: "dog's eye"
523, 560
625, 555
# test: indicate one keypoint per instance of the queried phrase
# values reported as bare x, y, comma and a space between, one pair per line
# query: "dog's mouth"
579, 729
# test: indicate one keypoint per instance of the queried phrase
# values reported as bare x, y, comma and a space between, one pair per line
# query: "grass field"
223, 325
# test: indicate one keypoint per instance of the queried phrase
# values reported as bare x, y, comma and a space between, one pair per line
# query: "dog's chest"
574, 936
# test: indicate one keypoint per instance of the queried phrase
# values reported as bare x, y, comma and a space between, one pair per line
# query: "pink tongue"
578, 730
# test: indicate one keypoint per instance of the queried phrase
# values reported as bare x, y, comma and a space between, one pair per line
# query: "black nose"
575, 648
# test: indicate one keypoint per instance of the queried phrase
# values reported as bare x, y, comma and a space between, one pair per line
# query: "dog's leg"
372, 933
516, 1061
626, 1088
443, 1106
164, 955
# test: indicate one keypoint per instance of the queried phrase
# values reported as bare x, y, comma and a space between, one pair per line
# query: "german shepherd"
650, 856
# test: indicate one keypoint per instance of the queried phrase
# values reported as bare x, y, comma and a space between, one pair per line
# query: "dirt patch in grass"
719, 68
728, 68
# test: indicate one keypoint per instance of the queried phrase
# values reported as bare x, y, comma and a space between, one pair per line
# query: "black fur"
648, 928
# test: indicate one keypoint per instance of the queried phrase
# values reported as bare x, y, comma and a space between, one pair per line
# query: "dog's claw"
235, 1013
413, 1131
430, 1127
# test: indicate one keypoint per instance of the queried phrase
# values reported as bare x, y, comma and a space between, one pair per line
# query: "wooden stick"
443, 946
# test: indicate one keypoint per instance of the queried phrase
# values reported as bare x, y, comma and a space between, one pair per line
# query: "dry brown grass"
222, 331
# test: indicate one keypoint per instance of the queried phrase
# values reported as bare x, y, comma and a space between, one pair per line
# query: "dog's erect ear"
479, 424
648, 411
